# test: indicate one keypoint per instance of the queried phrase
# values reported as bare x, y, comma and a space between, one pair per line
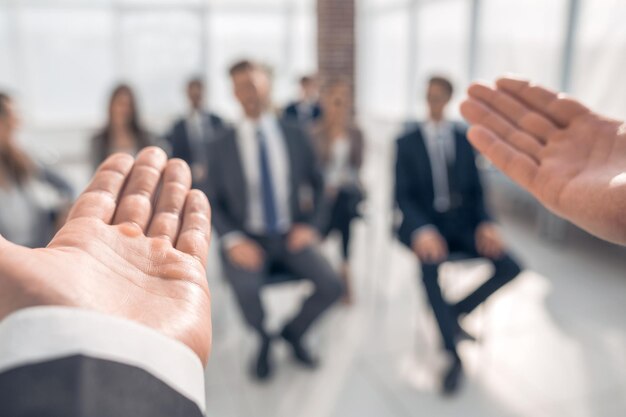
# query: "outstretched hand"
571, 159
134, 246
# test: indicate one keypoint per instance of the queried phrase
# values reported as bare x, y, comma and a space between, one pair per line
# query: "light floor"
553, 342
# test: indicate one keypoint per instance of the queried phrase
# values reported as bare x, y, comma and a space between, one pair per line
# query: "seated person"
339, 144
190, 136
308, 109
34, 200
123, 131
260, 174
439, 193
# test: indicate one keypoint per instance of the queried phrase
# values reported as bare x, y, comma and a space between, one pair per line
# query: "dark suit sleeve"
413, 216
220, 216
180, 143
319, 216
75, 363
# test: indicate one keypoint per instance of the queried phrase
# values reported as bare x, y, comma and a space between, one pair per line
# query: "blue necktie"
270, 213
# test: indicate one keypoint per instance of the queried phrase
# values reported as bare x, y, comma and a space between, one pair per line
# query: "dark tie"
270, 213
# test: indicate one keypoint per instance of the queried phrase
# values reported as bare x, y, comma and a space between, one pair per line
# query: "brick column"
336, 38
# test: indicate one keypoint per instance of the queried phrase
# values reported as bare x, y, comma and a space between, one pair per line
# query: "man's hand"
301, 237
488, 241
571, 159
246, 254
127, 250
430, 246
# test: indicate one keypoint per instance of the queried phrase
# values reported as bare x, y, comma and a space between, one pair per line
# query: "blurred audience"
340, 146
440, 195
259, 173
307, 109
123, 131
190, 136
33, 198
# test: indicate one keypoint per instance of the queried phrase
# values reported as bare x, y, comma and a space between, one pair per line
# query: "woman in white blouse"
339, 143
32, 198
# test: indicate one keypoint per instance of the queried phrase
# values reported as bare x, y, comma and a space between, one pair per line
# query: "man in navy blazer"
308, 109
191, 135
439, 193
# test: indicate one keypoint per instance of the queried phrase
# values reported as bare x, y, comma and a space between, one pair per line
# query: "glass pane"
161, 50
67, 64
442, 47
522, 37
7, 66
235, 35
384, 65
600, 57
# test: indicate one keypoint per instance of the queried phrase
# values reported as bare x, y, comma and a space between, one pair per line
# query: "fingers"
557, 107
514, 111
176, 183
513, 162
195, 234
100, 198
135, 204
480, 114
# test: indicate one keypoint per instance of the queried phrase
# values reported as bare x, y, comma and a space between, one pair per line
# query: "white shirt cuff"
40, 334
229, 240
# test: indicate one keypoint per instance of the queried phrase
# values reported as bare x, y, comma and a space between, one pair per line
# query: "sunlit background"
553, 342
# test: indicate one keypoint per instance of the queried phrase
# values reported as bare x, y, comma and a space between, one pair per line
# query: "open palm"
571, 159
135, 246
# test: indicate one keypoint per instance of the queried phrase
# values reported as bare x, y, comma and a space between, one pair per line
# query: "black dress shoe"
452, 378
300, 353
262, 368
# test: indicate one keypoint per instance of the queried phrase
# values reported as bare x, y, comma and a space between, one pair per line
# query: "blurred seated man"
33, 199
308, 109
439, 193
190, 136
113, 317
260, 174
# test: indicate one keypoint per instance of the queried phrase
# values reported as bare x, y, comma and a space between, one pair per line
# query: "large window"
402, 42
7, 69
441, 48
67, 65
600, 56
385, 65
62, 57
524, 37
159, 51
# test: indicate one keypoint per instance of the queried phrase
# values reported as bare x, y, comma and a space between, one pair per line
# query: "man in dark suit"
113, 317
439, 193
308, 109
190, 136
266, 194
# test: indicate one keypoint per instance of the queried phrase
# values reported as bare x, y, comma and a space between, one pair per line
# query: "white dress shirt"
439, 141
248, 145
41, 334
